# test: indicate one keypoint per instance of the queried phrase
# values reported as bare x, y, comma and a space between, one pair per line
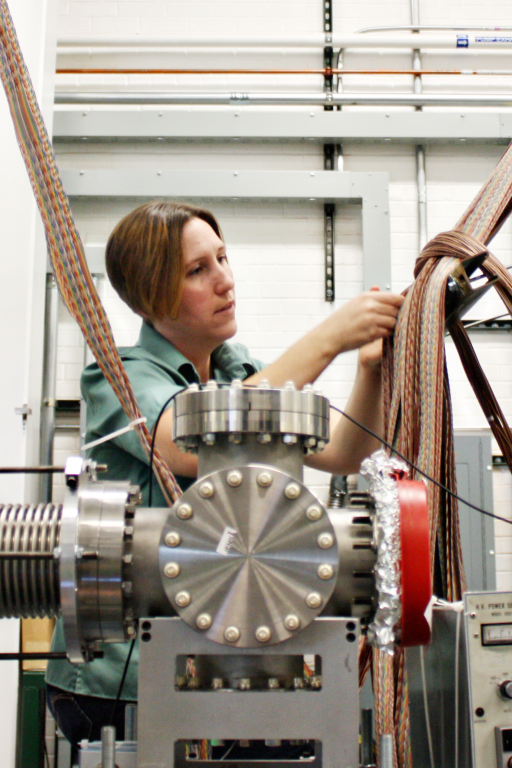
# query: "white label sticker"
226, 540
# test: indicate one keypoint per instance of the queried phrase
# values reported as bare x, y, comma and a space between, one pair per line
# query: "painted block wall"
277, 250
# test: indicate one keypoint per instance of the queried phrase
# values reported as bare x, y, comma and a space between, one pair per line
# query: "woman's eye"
195, 271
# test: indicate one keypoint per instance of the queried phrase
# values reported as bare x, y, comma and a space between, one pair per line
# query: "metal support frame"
301, 124
329, 715
49, 382
369, 189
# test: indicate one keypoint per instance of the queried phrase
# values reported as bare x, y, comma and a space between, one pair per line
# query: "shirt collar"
226, 364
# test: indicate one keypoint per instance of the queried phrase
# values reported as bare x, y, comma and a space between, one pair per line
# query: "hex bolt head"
234, 478
263, 634
314, 513
245, 684
315, 681
289, 439
289, 386
273, 683
206, 490
172, 570
236, 384
172, 539
264, 479
292, 622
314, 600
292, 491
325, 540
217, 683
193, 387
264, 384
321, 445
325, 571
184, 511
264, 438
232, 634
209, 438
204, 621
298, 682
211, 384
182, 599
307, 388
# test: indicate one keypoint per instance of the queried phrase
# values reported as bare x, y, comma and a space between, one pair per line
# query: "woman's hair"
144, 258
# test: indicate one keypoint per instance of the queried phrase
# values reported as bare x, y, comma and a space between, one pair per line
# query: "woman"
168, 263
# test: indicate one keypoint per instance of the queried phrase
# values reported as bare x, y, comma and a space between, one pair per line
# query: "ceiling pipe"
433, 27
417, 72
90, 45
286, 99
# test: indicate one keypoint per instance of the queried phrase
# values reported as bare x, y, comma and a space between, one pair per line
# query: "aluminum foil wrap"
381, 471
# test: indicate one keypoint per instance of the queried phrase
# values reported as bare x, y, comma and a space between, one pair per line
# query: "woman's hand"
368, 317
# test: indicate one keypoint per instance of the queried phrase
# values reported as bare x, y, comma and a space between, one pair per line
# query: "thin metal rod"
432, 27
51, 327
286, 99
326, 72
32, 656
30, 470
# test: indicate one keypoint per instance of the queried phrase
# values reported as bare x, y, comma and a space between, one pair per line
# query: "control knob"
506, 689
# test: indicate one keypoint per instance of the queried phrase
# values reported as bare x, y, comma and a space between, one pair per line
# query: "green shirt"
156, 371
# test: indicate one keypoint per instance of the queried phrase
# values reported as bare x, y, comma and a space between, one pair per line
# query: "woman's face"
206, 315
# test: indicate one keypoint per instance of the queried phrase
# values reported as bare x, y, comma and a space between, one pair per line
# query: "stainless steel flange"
249, 558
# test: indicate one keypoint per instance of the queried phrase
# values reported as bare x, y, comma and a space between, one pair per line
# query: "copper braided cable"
65, 248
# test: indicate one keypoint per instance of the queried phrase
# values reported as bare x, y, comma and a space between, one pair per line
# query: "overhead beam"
368, 189
299, 124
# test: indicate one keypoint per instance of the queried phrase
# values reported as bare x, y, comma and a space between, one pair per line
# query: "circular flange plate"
257, 560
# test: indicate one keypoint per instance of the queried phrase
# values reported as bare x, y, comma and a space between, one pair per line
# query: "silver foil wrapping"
380, 471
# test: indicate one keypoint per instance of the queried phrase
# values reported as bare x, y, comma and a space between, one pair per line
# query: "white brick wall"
277, 250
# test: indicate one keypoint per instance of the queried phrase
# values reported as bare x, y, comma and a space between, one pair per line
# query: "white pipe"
286, 99
487, 41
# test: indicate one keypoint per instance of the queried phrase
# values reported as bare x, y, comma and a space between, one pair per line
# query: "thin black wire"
421, 472
121, 684
152, 451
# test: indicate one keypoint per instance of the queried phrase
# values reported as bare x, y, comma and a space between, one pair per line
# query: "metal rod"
422, 196
286, 99
32, 656
30, 470
108, 746
433, 27
325, 72
51, 326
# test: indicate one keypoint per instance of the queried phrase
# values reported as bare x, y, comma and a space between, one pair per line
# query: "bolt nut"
204, 621
307, 388
325, 571
289, 386
236, 384
217, 683
234, 478
292, 622
289, 439
314, 600
245, 684
235, 437
193, 387
232, 634
315, 681
211, 385
314, 513
273, 683
206, 490
264, 384
264, 438
292, 491
325, 540
264, 479
298, 682
184, 511
263, 634
182, 599
209, 438
171, 570
310, 442
172, 539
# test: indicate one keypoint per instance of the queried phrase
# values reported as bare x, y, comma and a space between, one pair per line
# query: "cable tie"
111, 436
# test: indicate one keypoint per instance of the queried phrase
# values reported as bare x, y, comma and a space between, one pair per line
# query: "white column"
22, 291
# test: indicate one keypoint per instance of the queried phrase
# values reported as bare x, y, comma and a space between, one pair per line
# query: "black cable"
421, 472
152, 451
121, 684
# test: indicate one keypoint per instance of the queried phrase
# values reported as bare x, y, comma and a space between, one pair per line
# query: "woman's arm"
368, 317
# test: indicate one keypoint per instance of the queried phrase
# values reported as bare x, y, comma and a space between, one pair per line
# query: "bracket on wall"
368, 189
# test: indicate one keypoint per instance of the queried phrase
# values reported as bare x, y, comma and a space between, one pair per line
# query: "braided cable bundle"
418, 413
65, 248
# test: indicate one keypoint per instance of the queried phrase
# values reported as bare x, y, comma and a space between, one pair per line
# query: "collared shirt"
157, 372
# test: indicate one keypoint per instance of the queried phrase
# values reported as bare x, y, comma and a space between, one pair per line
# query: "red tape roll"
416, 578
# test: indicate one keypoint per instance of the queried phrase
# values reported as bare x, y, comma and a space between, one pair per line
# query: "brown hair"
144, 258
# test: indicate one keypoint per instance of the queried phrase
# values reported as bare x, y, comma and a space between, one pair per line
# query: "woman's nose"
225, 281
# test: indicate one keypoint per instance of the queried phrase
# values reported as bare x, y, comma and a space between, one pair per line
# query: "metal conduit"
76, 43
47, 433
286, 99
420, 149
